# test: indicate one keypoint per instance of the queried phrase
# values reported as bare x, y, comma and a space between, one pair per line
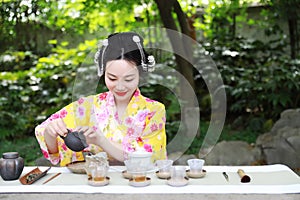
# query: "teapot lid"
10, 155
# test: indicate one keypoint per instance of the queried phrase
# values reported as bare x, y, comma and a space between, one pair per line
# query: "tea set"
96, 166
139, 165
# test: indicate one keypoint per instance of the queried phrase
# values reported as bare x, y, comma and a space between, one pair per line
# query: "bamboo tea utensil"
226, 176
244, 177
52, 177
33, 176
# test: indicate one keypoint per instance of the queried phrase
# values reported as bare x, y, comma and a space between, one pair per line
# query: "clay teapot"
75, 140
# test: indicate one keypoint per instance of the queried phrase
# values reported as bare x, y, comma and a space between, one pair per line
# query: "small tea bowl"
195, 165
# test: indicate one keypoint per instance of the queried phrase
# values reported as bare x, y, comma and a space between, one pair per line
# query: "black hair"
122, 46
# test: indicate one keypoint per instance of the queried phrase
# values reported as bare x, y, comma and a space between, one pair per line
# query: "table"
267, 182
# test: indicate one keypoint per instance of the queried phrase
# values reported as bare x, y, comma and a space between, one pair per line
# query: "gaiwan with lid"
139, 160
11, 166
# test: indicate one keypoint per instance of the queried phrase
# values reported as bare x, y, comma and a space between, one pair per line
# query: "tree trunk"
180, 42
293, 36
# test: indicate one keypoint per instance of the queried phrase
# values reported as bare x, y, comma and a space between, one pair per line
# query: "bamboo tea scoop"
244, 177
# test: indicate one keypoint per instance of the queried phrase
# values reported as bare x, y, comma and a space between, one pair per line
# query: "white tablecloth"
268, 179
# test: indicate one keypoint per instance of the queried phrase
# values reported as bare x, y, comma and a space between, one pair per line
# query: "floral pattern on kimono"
142, 124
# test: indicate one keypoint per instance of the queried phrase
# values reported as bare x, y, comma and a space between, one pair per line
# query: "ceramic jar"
11, 166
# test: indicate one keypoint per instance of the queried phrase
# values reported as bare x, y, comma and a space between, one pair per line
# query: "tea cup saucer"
99, 183
178, 183
163, 175
200, 174
126, 174
140, 184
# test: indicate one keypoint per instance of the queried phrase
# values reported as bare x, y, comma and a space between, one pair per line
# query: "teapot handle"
63, 137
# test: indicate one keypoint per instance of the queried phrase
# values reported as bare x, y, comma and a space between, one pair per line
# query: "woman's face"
122, 79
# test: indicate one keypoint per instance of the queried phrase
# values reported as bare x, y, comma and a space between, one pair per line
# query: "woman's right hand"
56, 127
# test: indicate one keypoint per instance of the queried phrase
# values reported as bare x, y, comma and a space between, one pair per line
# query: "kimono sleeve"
154, 135
74, 114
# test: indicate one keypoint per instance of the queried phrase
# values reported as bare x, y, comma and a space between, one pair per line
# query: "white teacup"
195, 165
99, 173
178, 173
164, 166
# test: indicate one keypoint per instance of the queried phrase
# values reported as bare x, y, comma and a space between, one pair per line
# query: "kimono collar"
136, 97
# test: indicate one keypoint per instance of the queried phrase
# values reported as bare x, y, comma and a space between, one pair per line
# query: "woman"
118, 121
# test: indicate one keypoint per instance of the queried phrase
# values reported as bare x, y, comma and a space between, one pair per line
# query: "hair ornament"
122, 54
151, 61
151, 64
100, 66
105, 42
136, 39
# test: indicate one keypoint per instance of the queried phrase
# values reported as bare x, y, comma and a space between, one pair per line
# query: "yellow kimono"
143, 121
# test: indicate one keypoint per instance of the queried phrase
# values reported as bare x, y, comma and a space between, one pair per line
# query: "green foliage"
287, 8
28, 149
260, 93
44, 43
31, 95
221, 18
36, 76
261, 79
